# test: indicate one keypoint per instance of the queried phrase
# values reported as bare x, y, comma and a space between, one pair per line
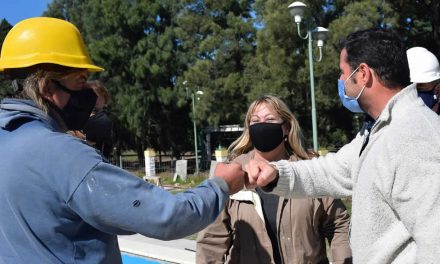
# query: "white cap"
423, 65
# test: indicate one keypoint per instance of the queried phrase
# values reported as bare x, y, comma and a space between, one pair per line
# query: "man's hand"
260, 173
232, 174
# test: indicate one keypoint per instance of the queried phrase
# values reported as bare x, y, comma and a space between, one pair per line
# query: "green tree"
4, 84
280, 55
220, 36
354, 16
281, 65
233, 51
136, 42
419, 22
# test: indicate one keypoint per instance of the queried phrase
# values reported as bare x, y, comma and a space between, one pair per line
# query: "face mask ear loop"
348, 78
359, 95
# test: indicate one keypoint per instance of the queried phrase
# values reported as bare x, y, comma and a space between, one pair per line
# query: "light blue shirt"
61, 203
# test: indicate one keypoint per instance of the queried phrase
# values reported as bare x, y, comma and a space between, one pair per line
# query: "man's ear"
366, 74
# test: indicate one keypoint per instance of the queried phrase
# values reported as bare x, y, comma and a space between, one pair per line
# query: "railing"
133, 163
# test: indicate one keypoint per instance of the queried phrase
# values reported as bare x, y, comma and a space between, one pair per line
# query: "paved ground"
175, 251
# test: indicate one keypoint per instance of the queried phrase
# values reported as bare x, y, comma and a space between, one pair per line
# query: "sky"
17, 10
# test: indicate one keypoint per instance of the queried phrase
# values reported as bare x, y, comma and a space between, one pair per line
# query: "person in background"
256, 227
60, 201
424, 70
99, 126
391, 170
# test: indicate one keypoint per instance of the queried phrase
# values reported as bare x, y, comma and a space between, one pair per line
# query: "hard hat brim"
89, 67
426, 79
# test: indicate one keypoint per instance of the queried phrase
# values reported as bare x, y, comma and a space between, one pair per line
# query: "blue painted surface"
132, 259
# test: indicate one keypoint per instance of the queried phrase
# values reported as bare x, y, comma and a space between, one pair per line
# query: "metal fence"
133, 163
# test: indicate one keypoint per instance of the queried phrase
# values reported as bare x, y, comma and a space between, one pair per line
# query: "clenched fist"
260, 173
232, 174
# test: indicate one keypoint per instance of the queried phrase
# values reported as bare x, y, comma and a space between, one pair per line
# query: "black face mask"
77, 110
428, 97
266, 136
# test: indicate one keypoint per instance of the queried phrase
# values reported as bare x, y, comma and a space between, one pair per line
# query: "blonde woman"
257, 227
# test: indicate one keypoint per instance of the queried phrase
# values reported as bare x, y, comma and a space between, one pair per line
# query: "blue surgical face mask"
351, 103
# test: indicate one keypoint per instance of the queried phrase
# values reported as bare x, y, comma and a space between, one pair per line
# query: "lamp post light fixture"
196, 151
319, 34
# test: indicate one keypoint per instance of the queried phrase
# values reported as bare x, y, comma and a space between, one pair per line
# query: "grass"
192, 237
167, 179
190, 182
347, 203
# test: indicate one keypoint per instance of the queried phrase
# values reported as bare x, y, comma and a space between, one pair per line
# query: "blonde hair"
294, 139
100, 90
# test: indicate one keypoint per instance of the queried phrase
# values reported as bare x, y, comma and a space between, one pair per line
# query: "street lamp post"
196, 151
320, 34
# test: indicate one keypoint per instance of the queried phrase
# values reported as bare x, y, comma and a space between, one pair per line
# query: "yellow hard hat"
45, 40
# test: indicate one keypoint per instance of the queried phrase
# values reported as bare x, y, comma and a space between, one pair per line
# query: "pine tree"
5, 88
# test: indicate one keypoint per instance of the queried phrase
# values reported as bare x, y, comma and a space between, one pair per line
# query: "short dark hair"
383, 51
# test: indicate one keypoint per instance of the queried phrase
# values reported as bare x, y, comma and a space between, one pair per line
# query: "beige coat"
239, 234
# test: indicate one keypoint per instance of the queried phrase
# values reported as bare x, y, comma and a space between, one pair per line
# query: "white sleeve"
329, 175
